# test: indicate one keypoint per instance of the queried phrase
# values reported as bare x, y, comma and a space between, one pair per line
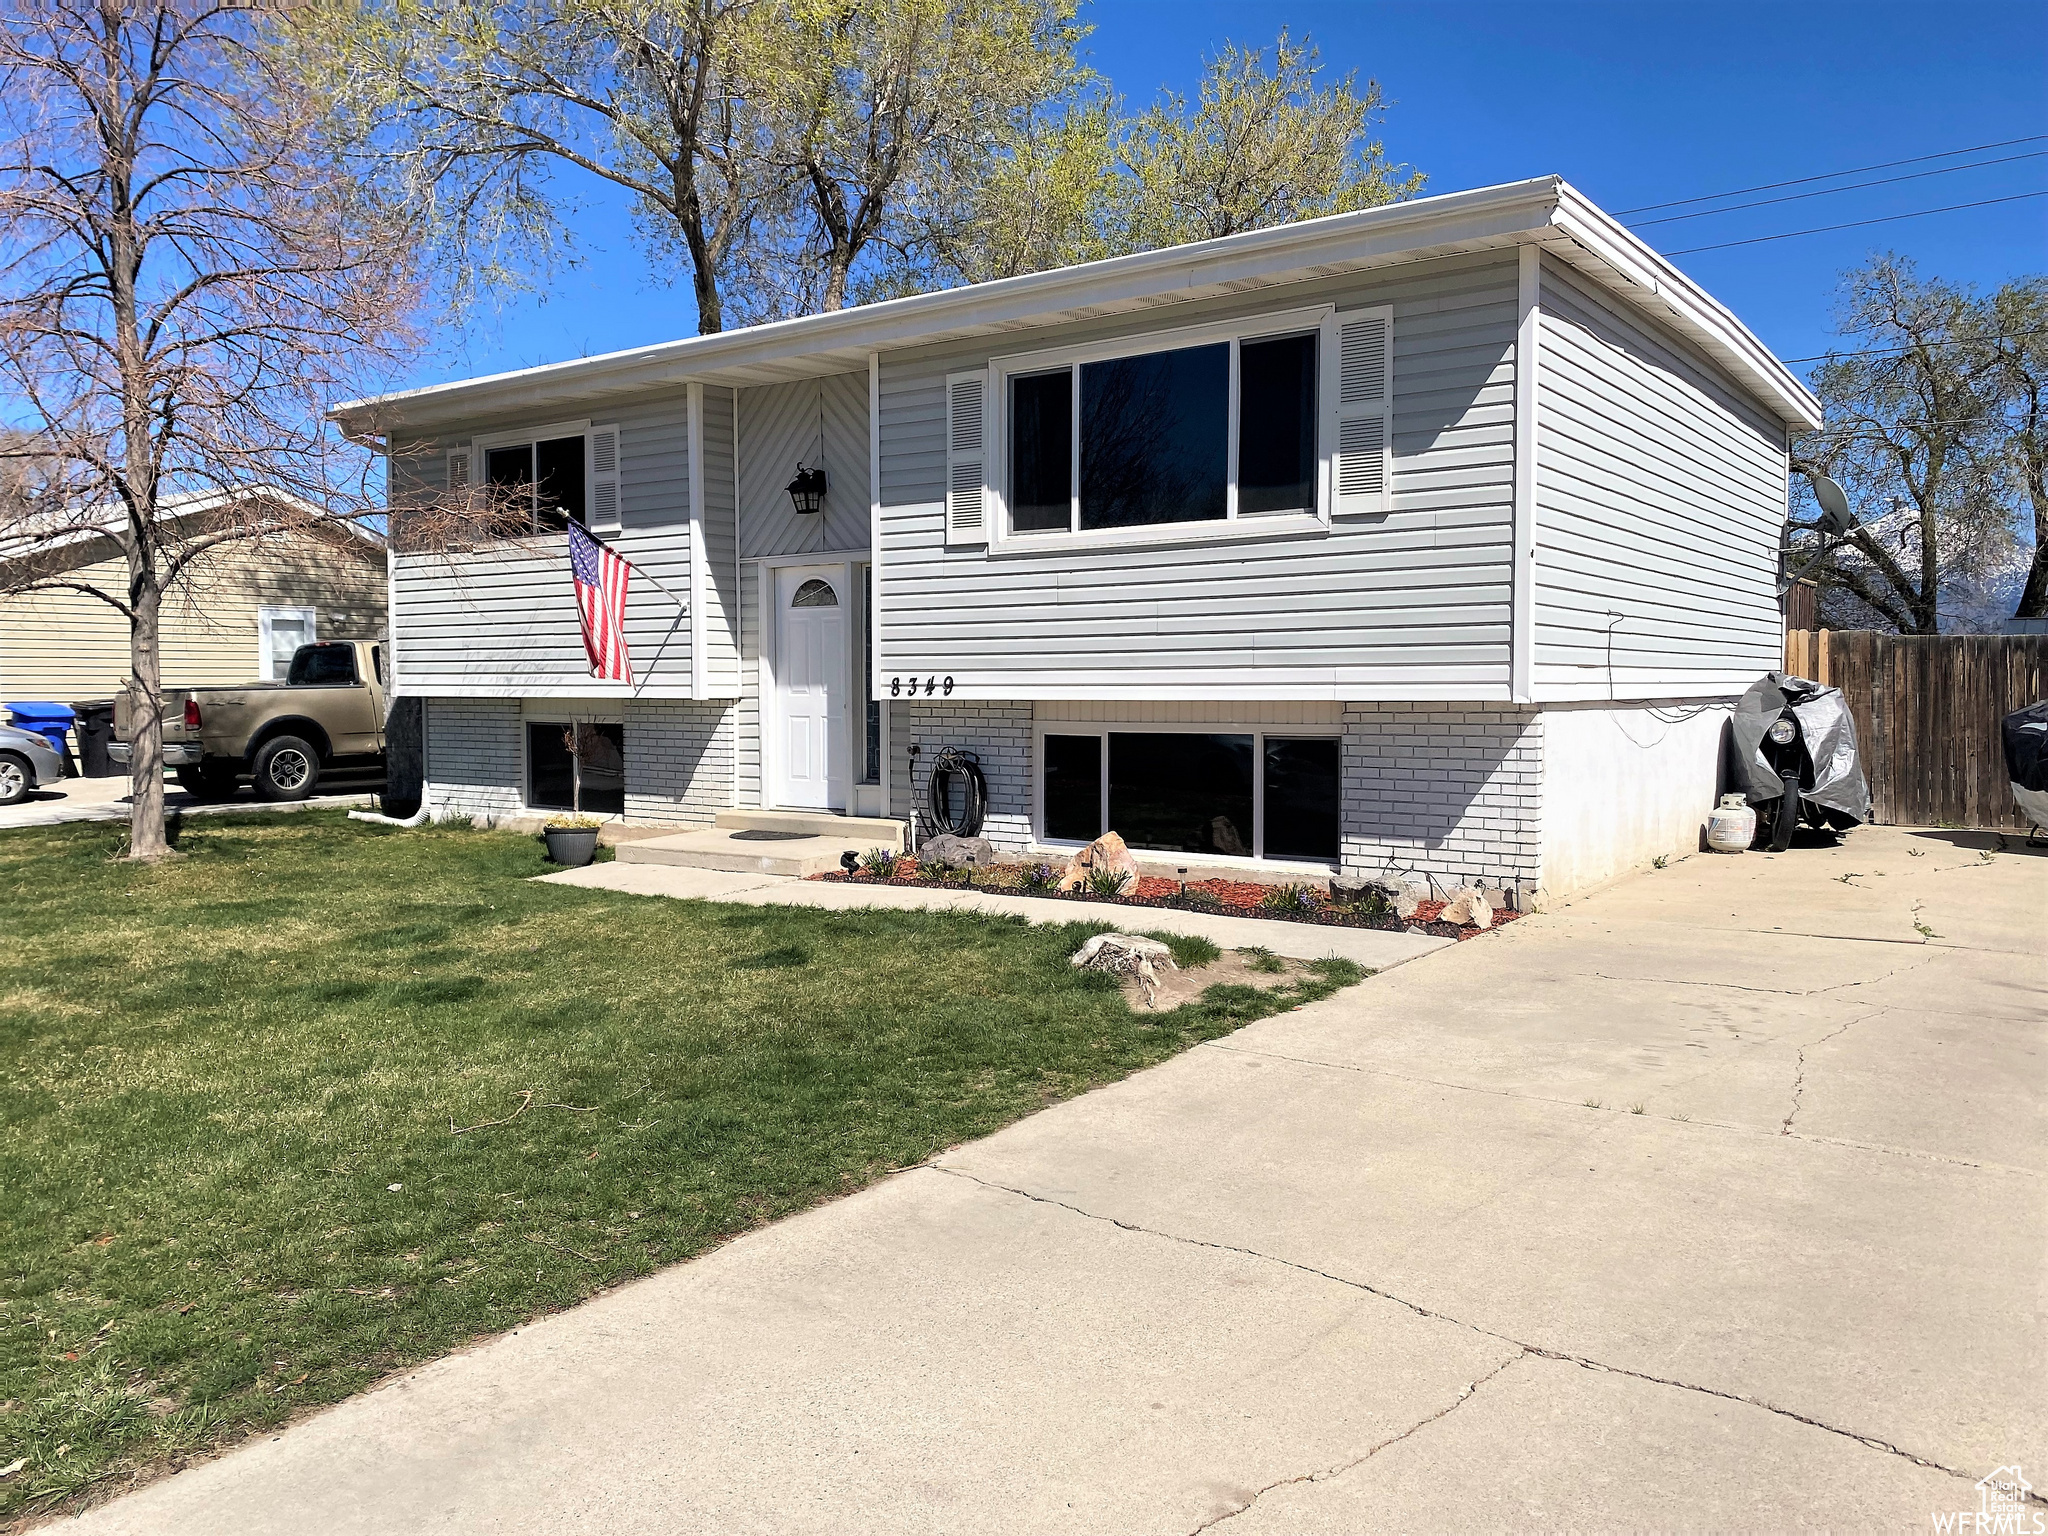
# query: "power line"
1854, 186
1960, 341
1859, 170
1889, 218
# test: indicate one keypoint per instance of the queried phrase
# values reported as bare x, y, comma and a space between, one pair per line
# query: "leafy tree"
890, 121
185, 283
471, 106
1264, 144
1910, 412
2013, 336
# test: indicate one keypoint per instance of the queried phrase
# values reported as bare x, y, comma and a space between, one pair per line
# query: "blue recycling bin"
52, 722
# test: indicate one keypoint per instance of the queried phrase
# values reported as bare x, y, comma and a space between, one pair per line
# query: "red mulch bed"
1231, 898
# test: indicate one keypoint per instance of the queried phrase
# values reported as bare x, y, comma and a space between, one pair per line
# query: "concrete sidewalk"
1374, 948
1654, 1212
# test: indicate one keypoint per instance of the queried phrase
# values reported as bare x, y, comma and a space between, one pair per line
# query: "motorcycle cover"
1833, 782
2026, 760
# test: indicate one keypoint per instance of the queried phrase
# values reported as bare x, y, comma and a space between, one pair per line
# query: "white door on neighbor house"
810, 686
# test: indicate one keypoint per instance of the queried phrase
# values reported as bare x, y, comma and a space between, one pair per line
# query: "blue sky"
1634, 103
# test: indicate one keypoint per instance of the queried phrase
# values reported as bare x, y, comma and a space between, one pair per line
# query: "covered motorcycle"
2026, 760
1796, 746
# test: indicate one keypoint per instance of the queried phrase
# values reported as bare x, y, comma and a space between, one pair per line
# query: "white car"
27, 762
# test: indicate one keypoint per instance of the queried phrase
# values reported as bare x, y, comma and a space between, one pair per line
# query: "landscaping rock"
1401, 898
1125, 954
1106, 852
1116, 944
946, 848
1468, 907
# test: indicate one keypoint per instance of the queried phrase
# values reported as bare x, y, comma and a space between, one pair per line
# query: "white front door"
810, 686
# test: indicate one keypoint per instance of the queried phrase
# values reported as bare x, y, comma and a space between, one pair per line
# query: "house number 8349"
899, 687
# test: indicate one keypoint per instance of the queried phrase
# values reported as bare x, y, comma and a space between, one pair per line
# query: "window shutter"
458, 466
1361, 378
967, 458
603, 501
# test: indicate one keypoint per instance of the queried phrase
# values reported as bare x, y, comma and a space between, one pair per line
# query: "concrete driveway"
1712, 1201
107, 800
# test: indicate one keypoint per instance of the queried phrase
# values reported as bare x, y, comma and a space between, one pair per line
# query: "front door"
810, 686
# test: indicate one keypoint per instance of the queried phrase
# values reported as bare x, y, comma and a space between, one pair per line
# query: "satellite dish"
1835, 517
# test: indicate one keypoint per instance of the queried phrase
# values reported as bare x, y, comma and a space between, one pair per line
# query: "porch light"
807, 490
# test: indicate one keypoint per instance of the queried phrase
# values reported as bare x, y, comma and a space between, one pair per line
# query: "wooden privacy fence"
1927, 711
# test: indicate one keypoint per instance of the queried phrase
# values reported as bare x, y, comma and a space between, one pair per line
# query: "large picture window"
1231, 794
1206, 433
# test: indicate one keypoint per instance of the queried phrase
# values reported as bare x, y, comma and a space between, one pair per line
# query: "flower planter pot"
572, 846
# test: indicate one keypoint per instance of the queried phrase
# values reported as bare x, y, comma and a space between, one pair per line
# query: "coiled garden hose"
953, 763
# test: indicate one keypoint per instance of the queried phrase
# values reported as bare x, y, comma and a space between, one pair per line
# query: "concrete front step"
863, 832
722, 848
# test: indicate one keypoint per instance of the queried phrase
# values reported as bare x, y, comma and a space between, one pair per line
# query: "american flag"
601, 604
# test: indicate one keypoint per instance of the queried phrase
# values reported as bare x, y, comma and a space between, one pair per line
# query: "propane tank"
1731, 827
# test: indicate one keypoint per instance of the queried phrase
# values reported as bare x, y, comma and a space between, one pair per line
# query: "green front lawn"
247, 1153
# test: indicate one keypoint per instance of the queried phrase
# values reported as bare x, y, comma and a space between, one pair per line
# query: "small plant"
1201, 896
1039, 877
1108, 882
1661, 861
573, 823
939, 870
1594, 1104
1303, 899
1258, 958
1635, 1109
881, 862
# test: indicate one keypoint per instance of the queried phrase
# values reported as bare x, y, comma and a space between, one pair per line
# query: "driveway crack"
1872, 1442
1736, 986
1799, 1071
1322, 1474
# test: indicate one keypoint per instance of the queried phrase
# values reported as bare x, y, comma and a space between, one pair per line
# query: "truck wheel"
15, 779
286, 769
208, 783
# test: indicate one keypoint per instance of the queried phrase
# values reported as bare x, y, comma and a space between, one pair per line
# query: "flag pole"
637, 571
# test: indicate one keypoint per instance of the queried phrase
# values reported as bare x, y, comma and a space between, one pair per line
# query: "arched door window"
815, 594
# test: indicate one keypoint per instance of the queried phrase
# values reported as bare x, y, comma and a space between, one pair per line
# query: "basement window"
1213, 794
576, 765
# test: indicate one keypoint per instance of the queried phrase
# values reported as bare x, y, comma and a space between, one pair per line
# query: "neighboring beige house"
236, 615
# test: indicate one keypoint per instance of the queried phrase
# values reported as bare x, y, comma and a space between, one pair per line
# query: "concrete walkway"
1370, 947
1713, 1201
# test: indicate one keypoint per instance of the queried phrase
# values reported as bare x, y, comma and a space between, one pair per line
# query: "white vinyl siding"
1660, 493
821, 423
501, 621
1409, 604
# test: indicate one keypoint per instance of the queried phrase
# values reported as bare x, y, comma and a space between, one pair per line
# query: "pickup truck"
327, 713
